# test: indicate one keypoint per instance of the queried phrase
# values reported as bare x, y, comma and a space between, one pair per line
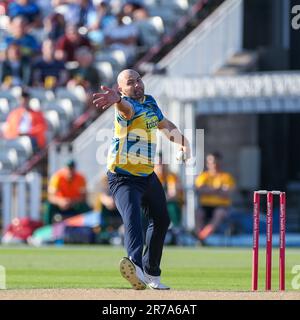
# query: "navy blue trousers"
132, 194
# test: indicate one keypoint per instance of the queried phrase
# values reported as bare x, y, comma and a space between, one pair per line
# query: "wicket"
269, 233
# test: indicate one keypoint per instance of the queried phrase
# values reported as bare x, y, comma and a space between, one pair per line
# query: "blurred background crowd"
229, 67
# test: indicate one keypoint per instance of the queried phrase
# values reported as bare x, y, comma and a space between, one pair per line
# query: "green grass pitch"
225, 269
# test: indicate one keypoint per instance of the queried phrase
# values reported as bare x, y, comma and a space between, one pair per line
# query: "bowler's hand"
106, 99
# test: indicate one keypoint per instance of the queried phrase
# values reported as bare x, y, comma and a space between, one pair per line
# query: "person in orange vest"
215, 188
66, 194
24, 121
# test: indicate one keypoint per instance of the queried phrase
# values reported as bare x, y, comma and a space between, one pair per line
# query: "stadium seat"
3, 117
150, 3
53, 121
9, 159
118, 61
22, 145
103, 55
74, 95
105, 70
157, 23
5, 168
16, 91
4, 22
64, 115
11, 100
174, 4
67, 105
4, 108
80, 94
74, 107
178, 6
150, 31
41, 94
35, 104
119, 57
168, 16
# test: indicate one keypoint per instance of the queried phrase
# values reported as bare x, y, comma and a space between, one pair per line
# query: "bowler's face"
132, 86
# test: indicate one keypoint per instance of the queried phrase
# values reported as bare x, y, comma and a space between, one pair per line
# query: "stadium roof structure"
248, 93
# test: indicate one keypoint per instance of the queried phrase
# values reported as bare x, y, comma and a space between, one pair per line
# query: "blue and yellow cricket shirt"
133, 146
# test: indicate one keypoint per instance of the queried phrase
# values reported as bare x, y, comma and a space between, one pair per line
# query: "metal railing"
208, 47
269, 92
254, 85
20, 197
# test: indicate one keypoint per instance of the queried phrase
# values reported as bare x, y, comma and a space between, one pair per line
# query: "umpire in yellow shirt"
215, 188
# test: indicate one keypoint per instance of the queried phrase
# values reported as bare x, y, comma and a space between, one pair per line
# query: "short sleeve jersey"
133, 146
222, 179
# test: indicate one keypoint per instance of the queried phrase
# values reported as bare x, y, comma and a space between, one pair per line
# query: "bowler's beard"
139, 94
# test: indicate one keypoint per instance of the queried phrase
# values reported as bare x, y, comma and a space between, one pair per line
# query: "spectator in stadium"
70, 42
64, 8
140, 14
25, 8
123, 37
66, 194
148, 34
75, 11
102, 17
84, 8
23, 121
215, 188
174, 192
19, 35
85, 75
99, 20
54, 26
20, 230
130, 7
48, 71
15, 70
45, 7
4, 7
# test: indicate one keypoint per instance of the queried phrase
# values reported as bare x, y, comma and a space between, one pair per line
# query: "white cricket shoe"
153, 282
133, 274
